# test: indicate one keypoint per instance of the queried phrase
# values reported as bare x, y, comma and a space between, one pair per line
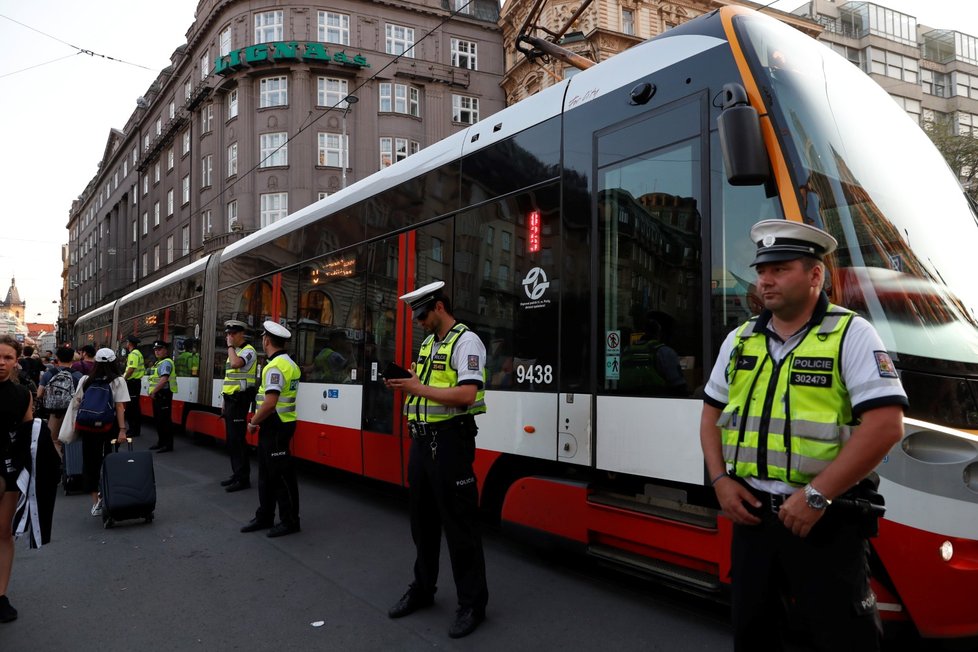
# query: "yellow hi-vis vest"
787, 421
238, 380
154, 376
437, 371
135, 362
285, 408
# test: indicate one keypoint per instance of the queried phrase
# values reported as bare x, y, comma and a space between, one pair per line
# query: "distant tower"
13, 304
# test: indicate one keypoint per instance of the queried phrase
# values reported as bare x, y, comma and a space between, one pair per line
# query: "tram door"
651, 176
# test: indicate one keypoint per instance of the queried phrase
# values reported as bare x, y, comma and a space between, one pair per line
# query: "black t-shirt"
33, 368
14, 399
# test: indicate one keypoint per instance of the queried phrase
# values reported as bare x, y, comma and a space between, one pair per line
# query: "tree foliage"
960, 152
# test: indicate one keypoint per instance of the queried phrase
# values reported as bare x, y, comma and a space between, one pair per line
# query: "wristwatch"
815, 499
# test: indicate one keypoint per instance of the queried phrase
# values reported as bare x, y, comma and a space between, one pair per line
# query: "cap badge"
769, 240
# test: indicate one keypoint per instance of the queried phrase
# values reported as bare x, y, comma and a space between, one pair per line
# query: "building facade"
268, 107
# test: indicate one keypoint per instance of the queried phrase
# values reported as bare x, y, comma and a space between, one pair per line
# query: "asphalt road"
191, 581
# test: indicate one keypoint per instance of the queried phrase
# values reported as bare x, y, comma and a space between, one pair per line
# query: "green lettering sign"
316, 51
284, 51
256, 53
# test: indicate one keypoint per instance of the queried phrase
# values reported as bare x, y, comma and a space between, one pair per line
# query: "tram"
601, 218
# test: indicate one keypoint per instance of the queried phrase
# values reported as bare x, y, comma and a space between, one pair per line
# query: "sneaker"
7, 612
97, 508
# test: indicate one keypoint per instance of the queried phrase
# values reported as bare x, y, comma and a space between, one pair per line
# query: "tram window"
529, 157
650, 271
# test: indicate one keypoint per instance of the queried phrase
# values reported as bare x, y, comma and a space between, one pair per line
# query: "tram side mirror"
744, 156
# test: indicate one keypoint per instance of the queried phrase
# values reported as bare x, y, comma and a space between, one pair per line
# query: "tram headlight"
947, 551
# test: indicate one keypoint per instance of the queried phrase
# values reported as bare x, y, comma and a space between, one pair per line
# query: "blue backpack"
97, 410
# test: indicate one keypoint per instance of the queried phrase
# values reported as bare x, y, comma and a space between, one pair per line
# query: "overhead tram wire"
326, 111
38, 65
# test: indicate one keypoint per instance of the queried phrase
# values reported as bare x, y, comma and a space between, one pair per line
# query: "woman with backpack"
16, 416
100, 404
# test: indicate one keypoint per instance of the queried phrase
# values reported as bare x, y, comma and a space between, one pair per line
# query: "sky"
62, 103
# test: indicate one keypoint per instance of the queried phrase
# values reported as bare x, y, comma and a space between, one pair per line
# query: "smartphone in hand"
393, 372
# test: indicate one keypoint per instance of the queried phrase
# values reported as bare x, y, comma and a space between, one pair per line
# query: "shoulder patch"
473, 363
274, 378
885, 365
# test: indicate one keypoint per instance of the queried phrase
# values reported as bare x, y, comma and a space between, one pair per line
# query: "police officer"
135, 369
162, 387
802, 404
441, 402
240, 385
275, 421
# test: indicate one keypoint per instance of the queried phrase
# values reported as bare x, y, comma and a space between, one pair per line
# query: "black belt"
424, 430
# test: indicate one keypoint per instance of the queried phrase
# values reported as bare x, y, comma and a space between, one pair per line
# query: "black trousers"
162, 417
95, 446
134, 412
444, 496
822, 579
235, 413
276, 473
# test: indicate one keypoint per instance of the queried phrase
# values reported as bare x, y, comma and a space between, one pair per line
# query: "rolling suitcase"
71, 476
128, 486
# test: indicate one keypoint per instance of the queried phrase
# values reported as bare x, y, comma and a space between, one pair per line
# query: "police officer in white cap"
238, 393
443, 394
275, 421
786, 389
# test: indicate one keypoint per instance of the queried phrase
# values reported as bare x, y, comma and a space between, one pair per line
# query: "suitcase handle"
115, 444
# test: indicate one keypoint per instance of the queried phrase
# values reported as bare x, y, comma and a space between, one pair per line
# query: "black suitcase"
71, 477
128, 486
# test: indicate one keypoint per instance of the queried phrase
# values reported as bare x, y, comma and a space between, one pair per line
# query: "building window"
269, 26
965, 85
205, 64
437, 250
333, 150
322, 195
273, 207
399, 98
893, 65
169, 203
273, 149
159, 127
145, 142
232, 159
186, 191
145, 222
506, 240
400, 40
186, 142
135, 156
628, 21
156, 257
173, 110
464, 54
273, 91
169, 159
185, 241
206, 168
187, 89
206, 118
156, 213
334, 28
233, 104
232, 214
156, 172
205, 223
145, 184
135, 235
393, 150
934, 82
169, 249
465, 109
134, 271
332, 92
145, 263
226, 41
463, 6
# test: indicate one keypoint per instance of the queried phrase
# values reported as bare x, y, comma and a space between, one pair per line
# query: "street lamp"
345, 157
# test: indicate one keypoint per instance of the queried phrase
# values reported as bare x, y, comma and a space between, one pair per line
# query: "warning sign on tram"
612, 355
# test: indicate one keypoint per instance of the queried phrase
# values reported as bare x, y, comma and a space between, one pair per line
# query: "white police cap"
422, 298
781, 240
276, 329
232, 325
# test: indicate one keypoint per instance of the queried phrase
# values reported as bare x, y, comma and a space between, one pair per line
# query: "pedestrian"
104, 380
135, 370
802, 404
443, 394
275, 421
58, 385
16, 416
86, 360
240, 386
162, 387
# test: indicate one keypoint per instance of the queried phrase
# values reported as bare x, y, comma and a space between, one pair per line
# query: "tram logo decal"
535, 285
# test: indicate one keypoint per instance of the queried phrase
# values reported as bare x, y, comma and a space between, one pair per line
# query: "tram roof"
186, 271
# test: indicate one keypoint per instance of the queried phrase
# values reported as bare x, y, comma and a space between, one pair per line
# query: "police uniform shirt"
867, 370
165, 368
246, 354
468, 358
272, 378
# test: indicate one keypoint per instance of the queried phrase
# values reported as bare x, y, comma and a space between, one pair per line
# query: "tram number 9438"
537, 374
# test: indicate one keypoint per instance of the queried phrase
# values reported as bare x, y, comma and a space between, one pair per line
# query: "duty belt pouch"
871, 504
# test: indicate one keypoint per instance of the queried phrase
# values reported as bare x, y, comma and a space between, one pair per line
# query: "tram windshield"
869, 175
